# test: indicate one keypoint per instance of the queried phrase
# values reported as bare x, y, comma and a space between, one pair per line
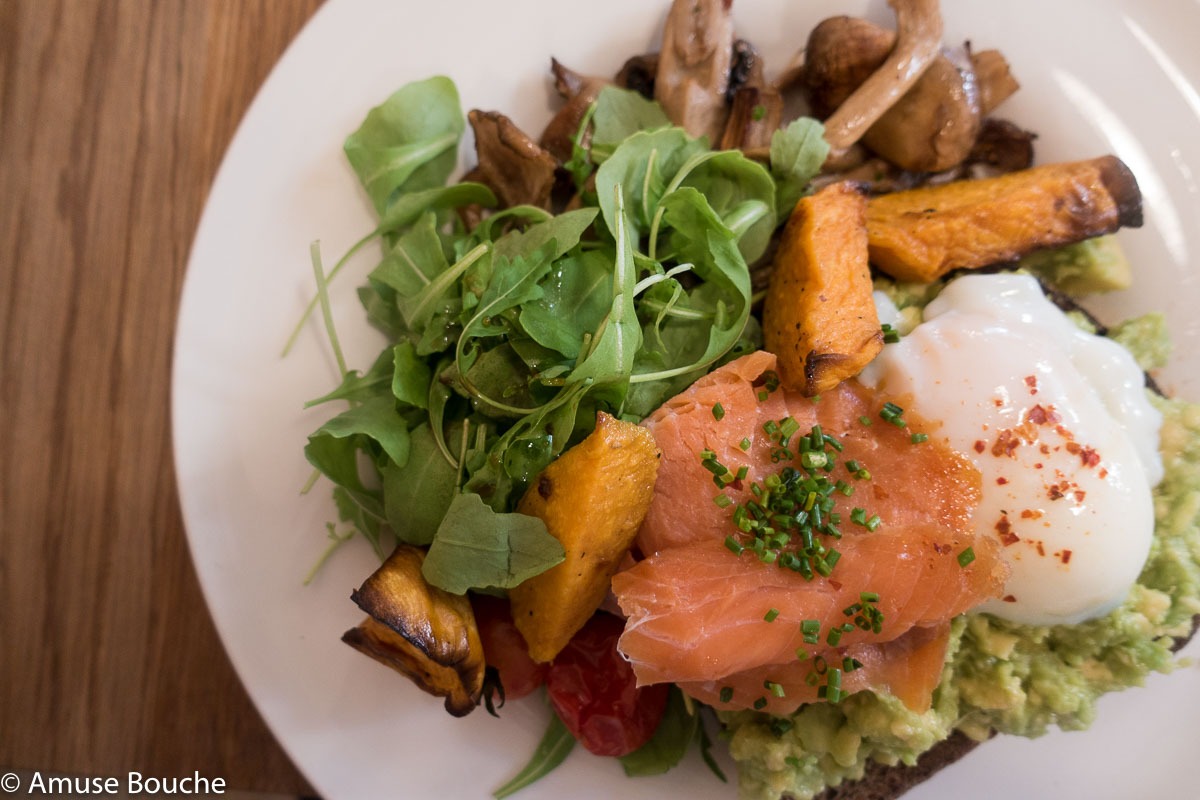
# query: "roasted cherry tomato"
504, 648
594, 691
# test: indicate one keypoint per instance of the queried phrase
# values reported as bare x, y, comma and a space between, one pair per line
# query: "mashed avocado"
1000, 675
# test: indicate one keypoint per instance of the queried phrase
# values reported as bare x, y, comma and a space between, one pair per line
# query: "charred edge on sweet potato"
819, 317
922, 234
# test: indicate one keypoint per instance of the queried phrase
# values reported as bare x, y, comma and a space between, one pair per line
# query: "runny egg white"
1058, 424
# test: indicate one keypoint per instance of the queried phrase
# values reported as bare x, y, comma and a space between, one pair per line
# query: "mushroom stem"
918, 43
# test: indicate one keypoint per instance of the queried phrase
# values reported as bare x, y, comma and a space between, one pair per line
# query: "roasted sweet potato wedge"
819, 317
921, 234
592, 499
420, 631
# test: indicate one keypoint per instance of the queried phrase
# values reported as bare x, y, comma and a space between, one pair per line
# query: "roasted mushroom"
918, 42
420, 631
693, 67
842, 53
637, 74
510, 163
756, 107
996, 81
579, 91
934, 125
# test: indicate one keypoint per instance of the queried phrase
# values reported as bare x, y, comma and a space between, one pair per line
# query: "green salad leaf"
557, 743
797, 153
619, 114
476, 548
417, 495
670, 742
409, 142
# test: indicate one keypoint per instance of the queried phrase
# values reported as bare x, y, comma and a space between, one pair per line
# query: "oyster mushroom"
918, 42
510, 163
579, 91
934, 124
756, 108
693, 67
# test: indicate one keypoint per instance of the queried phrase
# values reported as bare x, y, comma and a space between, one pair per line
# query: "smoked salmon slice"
909, 667
698, 613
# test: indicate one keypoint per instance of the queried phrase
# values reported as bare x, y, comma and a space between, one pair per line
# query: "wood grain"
113, 119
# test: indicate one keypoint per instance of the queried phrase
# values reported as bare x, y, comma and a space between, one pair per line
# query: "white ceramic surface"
1098, 77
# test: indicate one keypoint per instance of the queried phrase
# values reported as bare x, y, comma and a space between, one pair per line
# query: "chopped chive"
788, 426
726, 694
774, 688
835, 678
813, 460
850, 611
801, 654
822, 566
816, 398
742, 472
760, 704
771, 427
966, 557
745, 444
868, 597
810, 626
722, 501
917, 438
820, 665
811, 679
890, 336
863, 475
873, 523
832, 442
780, 726
720, 482
718, 411
707, 455
715, 467
850, 664
832, 557
852, 466
762, 396
771, 615
734, 546
768, 558
833, 637
865, 420
859, 516
847, 627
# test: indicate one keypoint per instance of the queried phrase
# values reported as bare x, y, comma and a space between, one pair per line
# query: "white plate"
1098, 77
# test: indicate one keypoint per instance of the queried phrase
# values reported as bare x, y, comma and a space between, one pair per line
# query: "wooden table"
114, 115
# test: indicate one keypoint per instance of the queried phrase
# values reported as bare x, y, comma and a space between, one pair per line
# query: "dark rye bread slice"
883, 782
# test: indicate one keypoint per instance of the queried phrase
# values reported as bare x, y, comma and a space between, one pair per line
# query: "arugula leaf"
475, 547
498, 383
376, 419
417, 495
367, 524
737, 188
411, 376
409, 142
576, 295
797, 153
419, 308
641, 166
670, 742
619, 114
414, 259
407, 208
358, 386
616, 341
564, 231
556, 743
